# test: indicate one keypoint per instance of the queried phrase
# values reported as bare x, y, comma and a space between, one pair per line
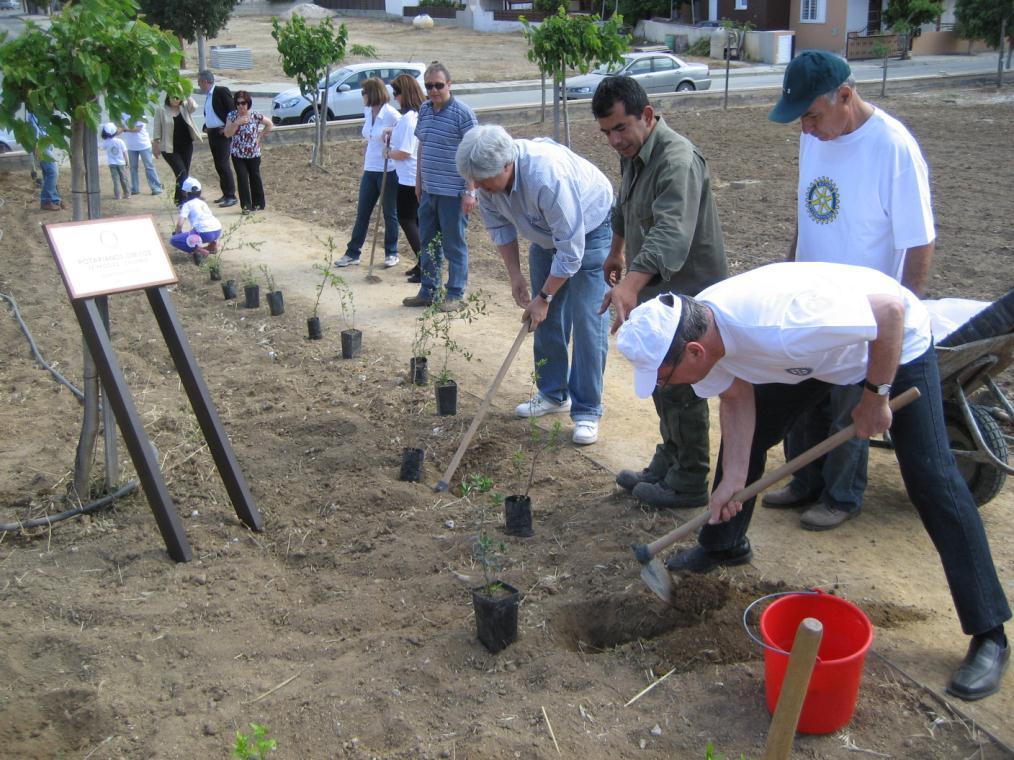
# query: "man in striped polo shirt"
445, 199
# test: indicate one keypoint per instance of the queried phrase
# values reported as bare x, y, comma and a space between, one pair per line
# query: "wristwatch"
547, 297
470, 193
884, 389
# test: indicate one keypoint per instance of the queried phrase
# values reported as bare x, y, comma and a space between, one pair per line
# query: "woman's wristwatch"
547, 297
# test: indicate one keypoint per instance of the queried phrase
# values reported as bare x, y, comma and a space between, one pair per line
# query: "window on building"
812, 11
741, 5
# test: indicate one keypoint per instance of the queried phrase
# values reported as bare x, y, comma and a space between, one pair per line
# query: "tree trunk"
883, 79
999, 62
201, 63
321, 107
566, 113
556, 105
542, 76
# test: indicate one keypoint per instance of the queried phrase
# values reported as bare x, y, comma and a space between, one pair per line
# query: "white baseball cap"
646, 336
190, 184
108, 129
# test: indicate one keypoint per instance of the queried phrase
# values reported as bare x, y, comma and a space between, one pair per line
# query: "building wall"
763, 14
829, 35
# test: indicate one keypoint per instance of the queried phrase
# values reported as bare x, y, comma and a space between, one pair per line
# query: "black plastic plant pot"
215, 273
313, 328
447, 398
198, 257
229, 290
420, 372
352, 343
518, 516
276, 304
496, 616
411, 465
253, 296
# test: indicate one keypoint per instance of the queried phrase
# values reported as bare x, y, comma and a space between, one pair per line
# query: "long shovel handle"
790, 700
376, 222
442, 485
797, 463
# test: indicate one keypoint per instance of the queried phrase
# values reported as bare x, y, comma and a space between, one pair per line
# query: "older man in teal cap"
863, 199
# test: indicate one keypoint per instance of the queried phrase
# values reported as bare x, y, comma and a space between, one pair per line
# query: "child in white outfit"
116, 156
205, 229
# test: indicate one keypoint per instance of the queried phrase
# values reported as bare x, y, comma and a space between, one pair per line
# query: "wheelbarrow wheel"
983, 479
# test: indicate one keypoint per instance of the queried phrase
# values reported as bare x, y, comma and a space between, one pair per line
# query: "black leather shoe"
981, 671
700, 560
219, 199
627, 479
228, 202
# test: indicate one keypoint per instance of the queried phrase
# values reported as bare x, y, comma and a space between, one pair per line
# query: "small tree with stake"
989, 20
906, 17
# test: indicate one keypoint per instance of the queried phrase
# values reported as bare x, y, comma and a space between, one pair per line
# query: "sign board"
113, 255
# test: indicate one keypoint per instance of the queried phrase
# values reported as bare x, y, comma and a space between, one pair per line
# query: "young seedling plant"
254, 746
478, 491
539, 442
269, 279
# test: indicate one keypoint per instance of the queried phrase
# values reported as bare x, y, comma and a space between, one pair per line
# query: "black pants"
179, 162
408, 216
220, 145
248, 179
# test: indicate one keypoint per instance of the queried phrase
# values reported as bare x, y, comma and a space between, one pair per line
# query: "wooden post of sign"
134, 436
204, 409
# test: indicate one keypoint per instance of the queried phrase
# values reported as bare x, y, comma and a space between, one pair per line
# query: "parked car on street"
7, 141
345, 97
10, 5
658, 73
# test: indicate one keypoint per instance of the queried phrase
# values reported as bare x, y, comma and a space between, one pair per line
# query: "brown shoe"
455, 305
787, 498
51, 207
416, 301
823, 517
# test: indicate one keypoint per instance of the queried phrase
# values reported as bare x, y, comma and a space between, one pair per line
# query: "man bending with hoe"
771, 344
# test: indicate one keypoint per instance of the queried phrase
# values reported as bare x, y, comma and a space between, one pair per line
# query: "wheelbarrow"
970, 359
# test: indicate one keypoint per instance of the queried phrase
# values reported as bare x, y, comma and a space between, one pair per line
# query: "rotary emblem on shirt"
822, 200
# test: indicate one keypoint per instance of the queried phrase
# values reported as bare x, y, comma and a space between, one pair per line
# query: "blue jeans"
179, 239
574, 309
442, 213
369, 193
149, 171
931, 477
840, 476
49, 193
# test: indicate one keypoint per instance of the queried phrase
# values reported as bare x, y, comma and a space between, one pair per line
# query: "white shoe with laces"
346, 261
390, 261
541, 405
585, 432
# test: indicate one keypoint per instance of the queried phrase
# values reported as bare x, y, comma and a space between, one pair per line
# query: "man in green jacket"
667, 236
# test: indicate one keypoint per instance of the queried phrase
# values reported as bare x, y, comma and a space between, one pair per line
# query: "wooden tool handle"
376, 222
793, 693
797, 463
442, 485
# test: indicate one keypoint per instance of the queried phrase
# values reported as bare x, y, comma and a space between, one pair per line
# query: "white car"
658, 73
344, 97
8, 142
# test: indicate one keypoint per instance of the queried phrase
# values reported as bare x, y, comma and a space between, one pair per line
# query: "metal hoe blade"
657, 577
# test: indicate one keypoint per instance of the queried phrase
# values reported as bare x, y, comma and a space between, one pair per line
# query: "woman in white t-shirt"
378, 119
135, 136
403, 149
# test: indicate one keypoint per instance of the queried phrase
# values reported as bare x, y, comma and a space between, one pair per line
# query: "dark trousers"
219, 145
681, 460
179, 162
248, 180
369, 194
408, 216
931, 477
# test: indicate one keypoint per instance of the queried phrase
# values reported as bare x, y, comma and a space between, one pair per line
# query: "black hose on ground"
84, 509
35, 350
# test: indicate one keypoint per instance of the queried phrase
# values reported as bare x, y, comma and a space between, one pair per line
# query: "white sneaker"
541, 405
346, 261
585, 432
390, 261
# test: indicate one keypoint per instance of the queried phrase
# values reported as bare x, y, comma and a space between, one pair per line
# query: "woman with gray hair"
561, 203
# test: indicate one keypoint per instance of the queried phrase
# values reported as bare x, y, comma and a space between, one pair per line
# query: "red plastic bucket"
834, 685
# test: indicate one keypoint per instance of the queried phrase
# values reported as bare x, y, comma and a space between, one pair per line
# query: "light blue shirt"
557, 198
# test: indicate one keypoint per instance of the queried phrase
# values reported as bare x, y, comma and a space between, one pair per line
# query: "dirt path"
354, 601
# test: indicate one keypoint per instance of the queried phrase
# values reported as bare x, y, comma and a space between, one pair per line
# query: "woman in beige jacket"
174, 137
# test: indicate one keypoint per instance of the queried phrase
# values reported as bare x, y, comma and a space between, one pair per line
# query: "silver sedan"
657, 73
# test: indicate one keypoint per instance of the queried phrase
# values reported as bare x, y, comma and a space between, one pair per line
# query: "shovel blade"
657, 577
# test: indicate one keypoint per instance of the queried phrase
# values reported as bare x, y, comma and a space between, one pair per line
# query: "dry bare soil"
346, 626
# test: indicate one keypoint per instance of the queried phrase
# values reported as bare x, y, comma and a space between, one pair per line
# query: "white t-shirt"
373, 132
790, 322
199, 215
136, 140
403, 138
116, 151
864, 197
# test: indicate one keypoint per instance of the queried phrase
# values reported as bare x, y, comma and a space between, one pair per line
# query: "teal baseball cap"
811, 74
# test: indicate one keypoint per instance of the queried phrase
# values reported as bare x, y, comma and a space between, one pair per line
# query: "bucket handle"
755, 602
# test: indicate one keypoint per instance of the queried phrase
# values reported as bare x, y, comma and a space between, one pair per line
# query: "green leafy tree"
92, 49
563, 42
190, 20
906, 17
991, 21
307, 54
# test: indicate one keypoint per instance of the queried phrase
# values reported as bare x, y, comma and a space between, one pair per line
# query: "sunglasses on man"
435, 85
